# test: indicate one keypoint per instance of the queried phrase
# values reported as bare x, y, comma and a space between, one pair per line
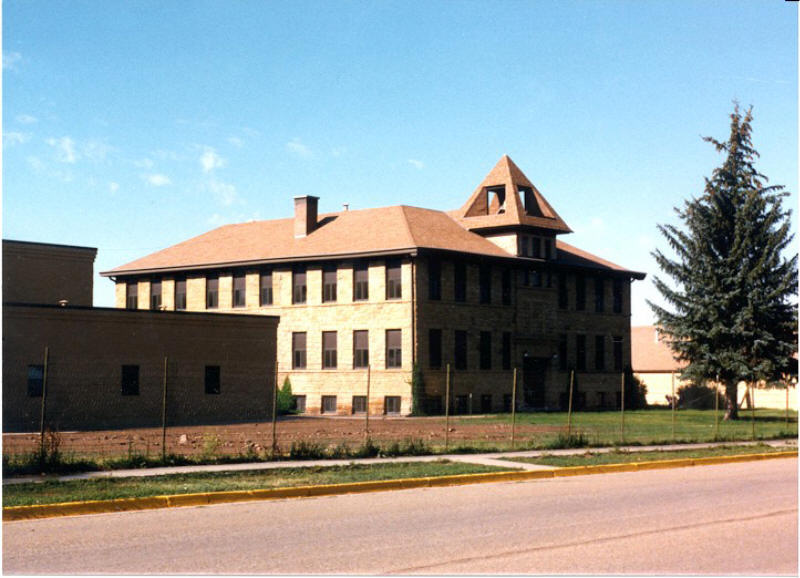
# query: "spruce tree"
731, 311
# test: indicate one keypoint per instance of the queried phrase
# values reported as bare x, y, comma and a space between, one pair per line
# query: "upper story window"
212, 292
460, 349
617, 295
434, 279
599, 352
265, 287
361, 281
562, 352
155, 294
394, 286
180, 294
299, 287
460, 281
549, 253
360, 349
523, 246
394, 348
580, 293
485, 280
537, 248
329, 350
132, 295
329, 283
616, 341
299, 350
506, 286
485, 347
435, 348
599, 294
239, 290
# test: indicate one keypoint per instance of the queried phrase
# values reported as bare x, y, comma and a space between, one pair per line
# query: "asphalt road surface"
724, 519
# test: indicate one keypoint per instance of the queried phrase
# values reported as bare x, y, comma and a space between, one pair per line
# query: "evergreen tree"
733, 301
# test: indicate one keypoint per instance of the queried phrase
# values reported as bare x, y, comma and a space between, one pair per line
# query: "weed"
211, 443
575, 440
304, 450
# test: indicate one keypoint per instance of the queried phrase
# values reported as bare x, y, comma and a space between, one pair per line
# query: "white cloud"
14, 138
336, 152
144, 163
26, 119
35, 163
65, 149
236, 141
225, 193
211, 160
96, 150
419, 165
298, 148
157, 180
113, 187
10, 60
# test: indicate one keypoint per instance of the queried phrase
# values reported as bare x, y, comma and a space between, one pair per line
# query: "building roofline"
59, 245
122, 311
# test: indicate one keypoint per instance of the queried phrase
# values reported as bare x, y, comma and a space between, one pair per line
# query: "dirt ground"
244, 437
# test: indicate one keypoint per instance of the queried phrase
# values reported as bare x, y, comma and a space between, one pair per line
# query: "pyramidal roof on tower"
506, 198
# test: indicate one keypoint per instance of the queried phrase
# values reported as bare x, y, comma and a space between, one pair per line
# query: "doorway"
534, 371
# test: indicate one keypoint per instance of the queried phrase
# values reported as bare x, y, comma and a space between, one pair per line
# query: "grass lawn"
650, 426
110, 488
622, 457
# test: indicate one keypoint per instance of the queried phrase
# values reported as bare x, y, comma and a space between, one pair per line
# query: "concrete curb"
16, 513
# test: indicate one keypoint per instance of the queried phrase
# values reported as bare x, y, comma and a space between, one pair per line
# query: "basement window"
391, 404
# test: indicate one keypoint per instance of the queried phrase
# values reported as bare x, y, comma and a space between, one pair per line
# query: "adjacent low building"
104, 368
366, 295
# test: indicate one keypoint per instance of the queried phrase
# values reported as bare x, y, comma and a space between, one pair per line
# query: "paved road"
725, 519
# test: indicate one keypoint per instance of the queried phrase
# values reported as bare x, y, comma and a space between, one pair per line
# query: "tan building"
485, 288
104, 368
655, 366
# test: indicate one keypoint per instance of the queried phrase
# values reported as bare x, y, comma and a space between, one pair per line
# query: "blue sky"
131, 126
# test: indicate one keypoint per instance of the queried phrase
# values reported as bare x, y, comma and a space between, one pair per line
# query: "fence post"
164, 416
622, 405
786, 419
274, 412
674, 403
753, 409
447, 409
716, 411
513, 408
366, 409
44, 401
569, 407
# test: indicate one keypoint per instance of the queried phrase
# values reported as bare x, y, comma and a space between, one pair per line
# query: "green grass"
623, 457
650, 426
111, 488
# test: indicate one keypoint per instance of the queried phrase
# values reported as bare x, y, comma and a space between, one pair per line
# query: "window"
328, 350
361, 281
486, 350
328, 404
394, 287
617, 343
435, 348
391, 404
485, 280
506, 350
462, 404
394, 350
180, 294
486, 403
563, 292
299, 350
537, 248
617, 295
130, 380
580, 293
507, 402
562, 352
434, 279
523, 245
155, 295
599, 294
299, 284
524, 277
506, 286
460, 282
212, 380
548, 249
35, 380
360, 349
599, 352
329, 283
460, 350
536, 278
359, 404
265, 288
580, 352
299, 403
239, 291
132, 295
212, 292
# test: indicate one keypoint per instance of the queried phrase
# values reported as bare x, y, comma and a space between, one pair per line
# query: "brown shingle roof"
650, 353
569, 255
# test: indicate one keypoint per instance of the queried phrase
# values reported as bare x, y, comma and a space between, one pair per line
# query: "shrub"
418, 399
635, 392
564, 441
286, 403
696, 396
366, 450
304, 450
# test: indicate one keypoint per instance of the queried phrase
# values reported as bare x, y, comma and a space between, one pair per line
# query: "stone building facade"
366, 295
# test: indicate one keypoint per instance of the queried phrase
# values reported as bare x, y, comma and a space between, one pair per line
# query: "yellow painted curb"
14, 513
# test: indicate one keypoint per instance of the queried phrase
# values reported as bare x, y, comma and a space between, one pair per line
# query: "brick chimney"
305, 215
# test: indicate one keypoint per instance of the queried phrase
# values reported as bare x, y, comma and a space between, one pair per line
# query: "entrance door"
534, 370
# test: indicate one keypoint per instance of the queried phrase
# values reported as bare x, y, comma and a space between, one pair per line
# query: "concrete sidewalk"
492, 459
